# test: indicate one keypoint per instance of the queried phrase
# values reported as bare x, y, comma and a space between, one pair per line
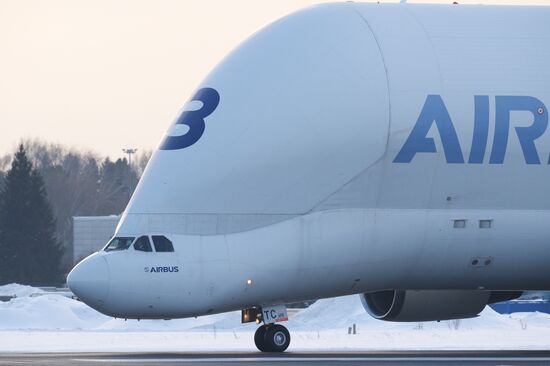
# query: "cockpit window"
119, 243
143, 244
162, 244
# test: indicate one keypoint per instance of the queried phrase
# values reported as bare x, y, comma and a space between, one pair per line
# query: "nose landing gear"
272, 338
269, 337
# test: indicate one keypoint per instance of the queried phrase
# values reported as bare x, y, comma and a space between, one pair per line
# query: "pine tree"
29, 250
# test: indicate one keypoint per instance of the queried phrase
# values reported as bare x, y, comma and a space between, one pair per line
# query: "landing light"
249, 282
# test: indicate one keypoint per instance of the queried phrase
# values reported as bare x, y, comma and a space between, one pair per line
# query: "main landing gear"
269, 337
272, 338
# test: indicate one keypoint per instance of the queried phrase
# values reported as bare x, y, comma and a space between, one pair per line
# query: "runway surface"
454, 358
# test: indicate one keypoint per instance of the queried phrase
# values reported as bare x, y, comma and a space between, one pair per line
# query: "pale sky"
107, 74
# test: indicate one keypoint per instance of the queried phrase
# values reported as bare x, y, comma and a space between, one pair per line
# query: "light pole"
130, 151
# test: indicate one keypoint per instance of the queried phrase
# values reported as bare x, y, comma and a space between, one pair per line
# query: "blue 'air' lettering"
435, 111
526, 135
210, 99
481, 129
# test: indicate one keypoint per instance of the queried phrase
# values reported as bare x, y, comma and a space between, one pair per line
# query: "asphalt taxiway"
400, 358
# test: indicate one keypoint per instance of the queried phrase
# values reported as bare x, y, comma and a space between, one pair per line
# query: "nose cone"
89, 280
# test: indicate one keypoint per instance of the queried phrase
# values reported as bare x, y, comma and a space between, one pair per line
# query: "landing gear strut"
272, 338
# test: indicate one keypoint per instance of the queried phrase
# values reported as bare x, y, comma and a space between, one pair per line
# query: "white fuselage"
344, 149
333, 253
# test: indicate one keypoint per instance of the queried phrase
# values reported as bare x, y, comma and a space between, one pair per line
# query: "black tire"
259, 338
276, 338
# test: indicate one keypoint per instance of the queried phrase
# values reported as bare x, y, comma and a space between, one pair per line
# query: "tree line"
42, 186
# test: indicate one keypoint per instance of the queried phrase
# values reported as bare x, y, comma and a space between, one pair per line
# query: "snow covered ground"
53, 323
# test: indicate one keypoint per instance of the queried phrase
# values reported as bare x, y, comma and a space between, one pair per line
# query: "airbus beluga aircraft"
398, 152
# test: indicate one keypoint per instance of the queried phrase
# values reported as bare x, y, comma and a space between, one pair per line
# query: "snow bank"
55, 323
48, 312
56, 312
17, 290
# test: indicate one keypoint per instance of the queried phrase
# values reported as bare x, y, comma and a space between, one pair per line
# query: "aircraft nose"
89, 280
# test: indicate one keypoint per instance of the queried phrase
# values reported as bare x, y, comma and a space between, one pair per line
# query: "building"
91, 233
